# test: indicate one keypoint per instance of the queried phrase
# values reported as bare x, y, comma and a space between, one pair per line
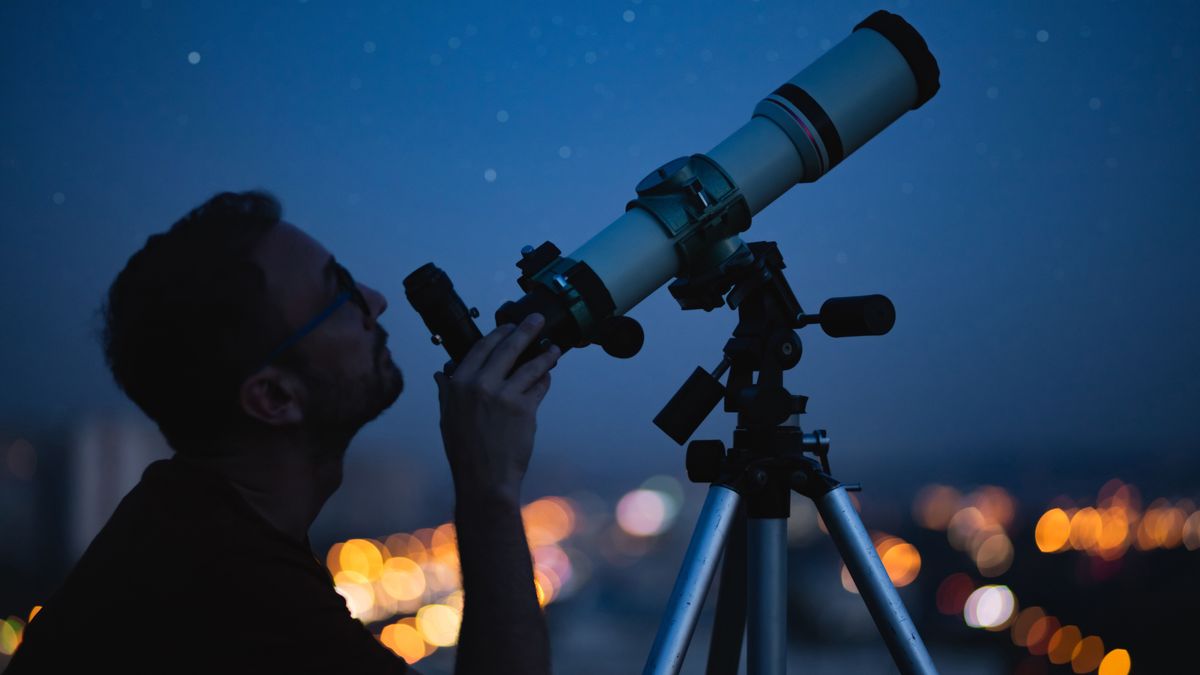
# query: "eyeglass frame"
349, 291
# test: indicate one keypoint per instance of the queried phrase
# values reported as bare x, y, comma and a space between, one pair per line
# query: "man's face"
347, 368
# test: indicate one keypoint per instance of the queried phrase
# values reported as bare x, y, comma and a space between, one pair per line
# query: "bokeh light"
935, 505
1088, 653
1038, 639
953, 592
405, 640
990, 607
1053, 531
1022, 628
548, 520
1062, 644
363, 557
643, 513
995, 555
900, 559
12, 630
402, 579
439, 624
1116, 662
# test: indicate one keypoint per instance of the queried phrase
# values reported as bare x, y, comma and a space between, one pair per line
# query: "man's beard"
339, 406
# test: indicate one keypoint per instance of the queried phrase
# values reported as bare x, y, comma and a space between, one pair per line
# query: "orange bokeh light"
1053, 531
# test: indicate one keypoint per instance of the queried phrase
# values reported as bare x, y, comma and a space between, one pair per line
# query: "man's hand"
489, 416
488, 421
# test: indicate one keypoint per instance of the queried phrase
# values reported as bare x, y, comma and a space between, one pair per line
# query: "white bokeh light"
989, 607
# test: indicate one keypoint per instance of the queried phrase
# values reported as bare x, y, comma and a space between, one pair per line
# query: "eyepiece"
432, 295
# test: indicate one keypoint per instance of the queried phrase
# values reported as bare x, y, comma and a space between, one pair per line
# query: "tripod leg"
873, 583
766, 649
687, 597
725, 648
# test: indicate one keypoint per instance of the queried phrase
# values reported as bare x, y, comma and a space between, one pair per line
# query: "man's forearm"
503, 629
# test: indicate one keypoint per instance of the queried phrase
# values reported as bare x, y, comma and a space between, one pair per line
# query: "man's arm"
488, 424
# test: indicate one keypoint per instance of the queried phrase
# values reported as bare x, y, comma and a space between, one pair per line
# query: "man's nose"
376, 304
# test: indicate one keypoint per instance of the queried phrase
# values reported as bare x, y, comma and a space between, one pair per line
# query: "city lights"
1116, 523
418, 575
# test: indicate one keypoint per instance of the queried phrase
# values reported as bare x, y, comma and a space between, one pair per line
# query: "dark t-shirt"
187, 577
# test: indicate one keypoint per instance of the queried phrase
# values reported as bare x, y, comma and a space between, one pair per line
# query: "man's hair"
188, 318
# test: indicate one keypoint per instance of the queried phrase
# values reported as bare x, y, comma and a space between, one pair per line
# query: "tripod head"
765, 342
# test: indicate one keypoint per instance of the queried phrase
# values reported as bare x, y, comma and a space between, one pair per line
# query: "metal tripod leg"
766, 625
858, 552
695, 576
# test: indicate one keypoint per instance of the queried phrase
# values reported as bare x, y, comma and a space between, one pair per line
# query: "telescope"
685, 221
685, 225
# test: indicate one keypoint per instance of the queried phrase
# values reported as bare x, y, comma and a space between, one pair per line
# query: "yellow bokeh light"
1116, 662
11, 632
362, 556
1087, 655
333, 557
1053, 531
405, 640
439, 624
1062, 644
34, 612
402, 579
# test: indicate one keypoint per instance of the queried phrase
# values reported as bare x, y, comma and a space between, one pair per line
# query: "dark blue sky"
1035, 223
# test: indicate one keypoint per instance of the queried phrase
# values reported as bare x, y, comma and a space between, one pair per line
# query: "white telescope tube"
797, 134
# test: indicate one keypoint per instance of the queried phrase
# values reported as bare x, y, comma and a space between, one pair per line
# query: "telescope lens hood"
912, 47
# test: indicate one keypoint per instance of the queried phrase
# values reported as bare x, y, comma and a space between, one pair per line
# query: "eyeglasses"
347, 290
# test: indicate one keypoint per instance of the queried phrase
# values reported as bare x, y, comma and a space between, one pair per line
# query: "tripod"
745, 513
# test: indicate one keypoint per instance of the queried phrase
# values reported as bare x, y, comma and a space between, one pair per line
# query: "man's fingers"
538, 391
478, 354
533, 370
441, 380
502, 358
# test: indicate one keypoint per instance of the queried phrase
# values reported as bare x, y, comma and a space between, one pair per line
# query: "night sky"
1035, 223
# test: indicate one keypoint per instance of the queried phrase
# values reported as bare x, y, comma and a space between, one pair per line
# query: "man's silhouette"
259, 358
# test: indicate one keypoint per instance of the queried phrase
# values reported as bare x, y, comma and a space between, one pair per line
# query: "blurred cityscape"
1026, 573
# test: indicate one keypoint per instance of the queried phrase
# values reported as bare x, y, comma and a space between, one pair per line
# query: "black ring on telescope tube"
912, 47
816, 114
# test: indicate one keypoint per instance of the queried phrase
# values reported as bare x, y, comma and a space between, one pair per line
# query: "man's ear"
273, 397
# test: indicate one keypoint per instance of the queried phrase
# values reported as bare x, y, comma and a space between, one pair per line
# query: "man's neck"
286, 487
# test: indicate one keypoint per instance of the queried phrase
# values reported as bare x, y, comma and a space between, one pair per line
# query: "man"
259, 358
